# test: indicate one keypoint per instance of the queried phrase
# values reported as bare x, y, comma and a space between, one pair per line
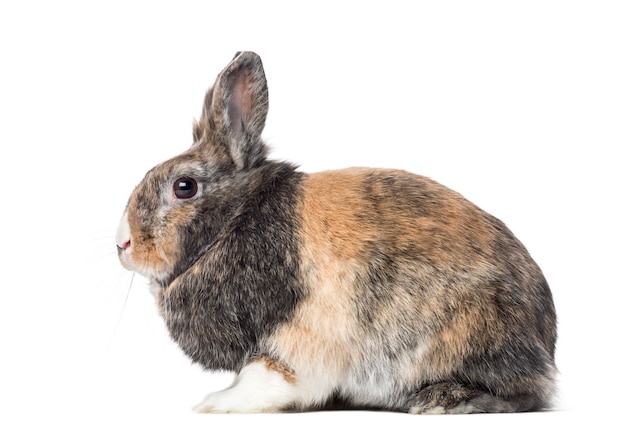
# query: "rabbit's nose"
122, 236
123, 247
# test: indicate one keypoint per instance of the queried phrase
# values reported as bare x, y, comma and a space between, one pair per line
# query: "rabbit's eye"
185, 188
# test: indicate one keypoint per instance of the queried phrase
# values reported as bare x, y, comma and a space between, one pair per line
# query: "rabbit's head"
174, 214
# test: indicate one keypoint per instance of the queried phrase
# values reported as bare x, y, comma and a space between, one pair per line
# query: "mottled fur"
379, 288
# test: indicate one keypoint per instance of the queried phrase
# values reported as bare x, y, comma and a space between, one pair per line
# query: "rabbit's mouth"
128, 260
139, 256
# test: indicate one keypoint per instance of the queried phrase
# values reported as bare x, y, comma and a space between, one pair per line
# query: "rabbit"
377, 288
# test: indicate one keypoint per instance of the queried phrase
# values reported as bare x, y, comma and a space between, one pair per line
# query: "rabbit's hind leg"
457, 398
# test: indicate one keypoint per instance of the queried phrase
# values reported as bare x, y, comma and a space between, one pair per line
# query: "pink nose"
122, 237
125, 245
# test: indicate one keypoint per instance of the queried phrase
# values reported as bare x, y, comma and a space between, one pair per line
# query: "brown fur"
340, 213
147, 250
287, 373
440, 244
340, 224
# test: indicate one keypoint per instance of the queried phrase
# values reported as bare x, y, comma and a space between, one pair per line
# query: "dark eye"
185, 187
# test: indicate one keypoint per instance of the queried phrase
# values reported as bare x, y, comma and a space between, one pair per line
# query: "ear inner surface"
240, 104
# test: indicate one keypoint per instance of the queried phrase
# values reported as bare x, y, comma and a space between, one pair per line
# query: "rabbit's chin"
125, 258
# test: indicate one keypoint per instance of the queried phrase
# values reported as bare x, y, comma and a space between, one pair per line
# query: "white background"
519, 106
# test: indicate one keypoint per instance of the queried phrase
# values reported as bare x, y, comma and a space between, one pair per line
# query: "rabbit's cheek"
144, 258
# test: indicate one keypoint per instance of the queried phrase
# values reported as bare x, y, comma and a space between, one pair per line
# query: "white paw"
211, 405
228, 402
259, 387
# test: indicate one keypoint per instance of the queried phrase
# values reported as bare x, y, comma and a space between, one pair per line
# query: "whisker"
121, 314
110, 283
101, 246
115, 283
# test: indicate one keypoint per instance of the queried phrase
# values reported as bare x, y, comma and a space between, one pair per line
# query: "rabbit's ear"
237, 108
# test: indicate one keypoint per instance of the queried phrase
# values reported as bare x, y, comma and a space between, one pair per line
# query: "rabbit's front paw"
263, 385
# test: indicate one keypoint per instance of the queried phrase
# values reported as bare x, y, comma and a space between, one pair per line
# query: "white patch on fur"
122, 236
255, 389
386, 377
122, 240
